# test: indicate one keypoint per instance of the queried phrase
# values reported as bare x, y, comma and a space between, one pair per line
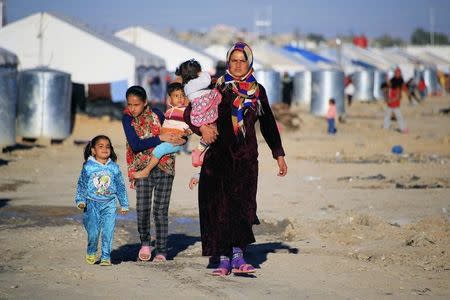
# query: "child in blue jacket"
99, 185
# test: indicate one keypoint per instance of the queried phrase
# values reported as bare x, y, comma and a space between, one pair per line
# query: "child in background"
99, 185
331, 116
204, 102
173, 123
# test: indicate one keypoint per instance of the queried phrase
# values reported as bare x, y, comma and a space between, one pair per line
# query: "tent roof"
172, 50
8, 59
280, 60
59, 42
142, 57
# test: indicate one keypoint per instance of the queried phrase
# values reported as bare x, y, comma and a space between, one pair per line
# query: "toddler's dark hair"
174, 86
188, 70
138, 91
93, 142
332, 101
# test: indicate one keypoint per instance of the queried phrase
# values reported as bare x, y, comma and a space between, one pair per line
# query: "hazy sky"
330, 18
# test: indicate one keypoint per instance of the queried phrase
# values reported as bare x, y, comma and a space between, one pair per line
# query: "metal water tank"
44, 104
8, 102
431, 81
363, 81
271, 81
379, 77
327, 84
302, 88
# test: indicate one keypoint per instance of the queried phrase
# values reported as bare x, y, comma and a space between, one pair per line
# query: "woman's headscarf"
246, 88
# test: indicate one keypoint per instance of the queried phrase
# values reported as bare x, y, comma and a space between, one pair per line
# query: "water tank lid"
45, 70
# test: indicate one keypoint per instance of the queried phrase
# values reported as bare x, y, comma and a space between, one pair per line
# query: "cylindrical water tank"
379, 77
327, 84
431, 81
8, 102
44, 106
302, 88
363, 81
271, 81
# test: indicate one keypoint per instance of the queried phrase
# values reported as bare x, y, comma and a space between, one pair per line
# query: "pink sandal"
145, 253
159, 258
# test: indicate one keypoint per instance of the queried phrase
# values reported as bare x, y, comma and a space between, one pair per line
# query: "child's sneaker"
105, 262
91, 259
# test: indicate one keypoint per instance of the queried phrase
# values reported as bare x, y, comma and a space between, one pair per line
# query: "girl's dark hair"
332, 101
138, 91
174, 86
93, 142
188, 70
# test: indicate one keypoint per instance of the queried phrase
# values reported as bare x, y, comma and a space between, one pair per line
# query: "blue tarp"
311, 56
363, 64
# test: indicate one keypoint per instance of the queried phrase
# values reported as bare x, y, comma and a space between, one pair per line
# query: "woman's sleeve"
81, 194
121, 189
187, 119
137, 144
268, 126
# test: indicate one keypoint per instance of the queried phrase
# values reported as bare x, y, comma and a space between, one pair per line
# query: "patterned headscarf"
246, 88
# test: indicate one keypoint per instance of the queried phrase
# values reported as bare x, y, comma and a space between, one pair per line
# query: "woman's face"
136, 105
238, 65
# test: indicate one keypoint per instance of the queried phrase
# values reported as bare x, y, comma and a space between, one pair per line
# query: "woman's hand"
174, 139
209, 133
282, 166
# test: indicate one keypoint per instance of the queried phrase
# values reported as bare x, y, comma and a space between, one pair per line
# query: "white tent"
440, 51
8, 59
174, 52
280, 60
57, 42
442, 64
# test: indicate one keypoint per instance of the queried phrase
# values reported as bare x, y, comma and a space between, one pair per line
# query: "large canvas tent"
172, 51
280, 60
58, 42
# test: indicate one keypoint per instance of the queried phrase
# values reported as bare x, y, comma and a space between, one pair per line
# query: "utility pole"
431, 26
2, 13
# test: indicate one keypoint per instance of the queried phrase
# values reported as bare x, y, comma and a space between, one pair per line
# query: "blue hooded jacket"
101, 182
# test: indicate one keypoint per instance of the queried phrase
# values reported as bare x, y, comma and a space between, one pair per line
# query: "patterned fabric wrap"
205, 108
245, 88
147, 125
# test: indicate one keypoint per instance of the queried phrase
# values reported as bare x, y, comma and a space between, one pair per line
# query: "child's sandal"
159, 258
145, 253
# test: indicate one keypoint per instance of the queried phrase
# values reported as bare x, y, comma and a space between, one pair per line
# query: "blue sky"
330, 18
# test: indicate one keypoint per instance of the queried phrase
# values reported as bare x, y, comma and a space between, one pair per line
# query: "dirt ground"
351, 220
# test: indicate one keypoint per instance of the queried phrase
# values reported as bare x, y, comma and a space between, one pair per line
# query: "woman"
229, 175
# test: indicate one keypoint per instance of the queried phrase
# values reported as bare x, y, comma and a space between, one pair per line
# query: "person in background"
287, 87
422, 87
331, 116
393, 102
349, 90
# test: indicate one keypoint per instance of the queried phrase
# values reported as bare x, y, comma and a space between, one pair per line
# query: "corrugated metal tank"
44, 106
363, 81
378, 78
8, 102
271, 81
327, 84
302, 88
431, 80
